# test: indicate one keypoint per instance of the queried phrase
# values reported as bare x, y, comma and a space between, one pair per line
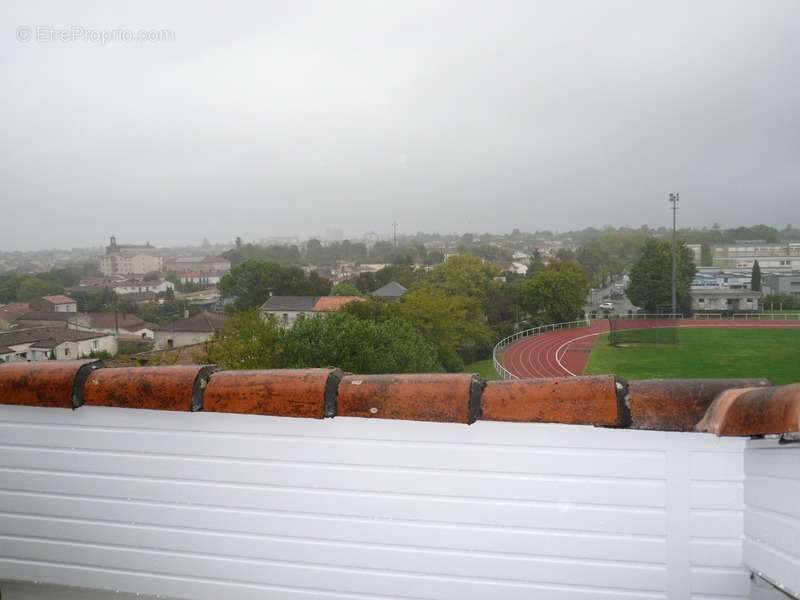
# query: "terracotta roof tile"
677, 404
606, 401
754, 411
576, 400
333, 303
307, 393
54, 384
450, 398
59, 299
157, 388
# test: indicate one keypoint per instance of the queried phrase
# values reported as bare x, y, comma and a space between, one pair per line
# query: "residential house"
125, 325
285, 310
185, 332
95, 285
371, 267
392, 291
518, 268
58, 303
66, 320
130, 259
48, 343
138, 286
210, 299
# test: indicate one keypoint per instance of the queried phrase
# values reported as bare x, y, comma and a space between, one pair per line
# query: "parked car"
607, 306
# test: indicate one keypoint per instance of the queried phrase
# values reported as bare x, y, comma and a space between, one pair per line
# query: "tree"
556, 294
373, 309
462, 275
651, 276
314, 249
357, 345
34, 287
247, 341
755, 277
454, 324
345, 288
9, 286
252, 282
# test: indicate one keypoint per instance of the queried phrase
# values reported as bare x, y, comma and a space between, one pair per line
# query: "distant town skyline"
288, 238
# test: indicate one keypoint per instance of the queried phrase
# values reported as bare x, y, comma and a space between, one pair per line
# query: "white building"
285, 310
783, 256
130, 259
57, 303
186, 332
198, 263
200, 278
128, 326
714, 278
724, 300
137, 287
53, 343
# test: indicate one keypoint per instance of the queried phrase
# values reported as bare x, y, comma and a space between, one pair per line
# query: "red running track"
565, 352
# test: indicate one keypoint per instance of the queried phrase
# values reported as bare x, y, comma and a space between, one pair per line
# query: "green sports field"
484, 368
770, 353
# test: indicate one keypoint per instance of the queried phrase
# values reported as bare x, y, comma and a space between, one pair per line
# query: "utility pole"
674, 198
394, 227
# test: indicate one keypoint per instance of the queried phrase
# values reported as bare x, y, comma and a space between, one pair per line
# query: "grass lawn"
484, 368
770, 353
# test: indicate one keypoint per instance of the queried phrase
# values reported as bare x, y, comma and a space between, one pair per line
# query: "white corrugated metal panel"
196, 505
772, 515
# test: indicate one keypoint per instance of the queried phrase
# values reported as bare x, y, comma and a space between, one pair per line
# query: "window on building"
66, 350
95, 344
170, 343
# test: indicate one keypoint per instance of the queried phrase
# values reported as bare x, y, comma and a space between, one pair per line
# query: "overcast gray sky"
284, 118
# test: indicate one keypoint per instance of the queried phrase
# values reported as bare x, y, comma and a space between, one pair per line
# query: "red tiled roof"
333, 303
59, 299
739, 407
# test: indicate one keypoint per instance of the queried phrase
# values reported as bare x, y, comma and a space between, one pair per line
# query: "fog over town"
269, 119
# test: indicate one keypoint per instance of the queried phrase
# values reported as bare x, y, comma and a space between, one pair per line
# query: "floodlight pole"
674, 198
